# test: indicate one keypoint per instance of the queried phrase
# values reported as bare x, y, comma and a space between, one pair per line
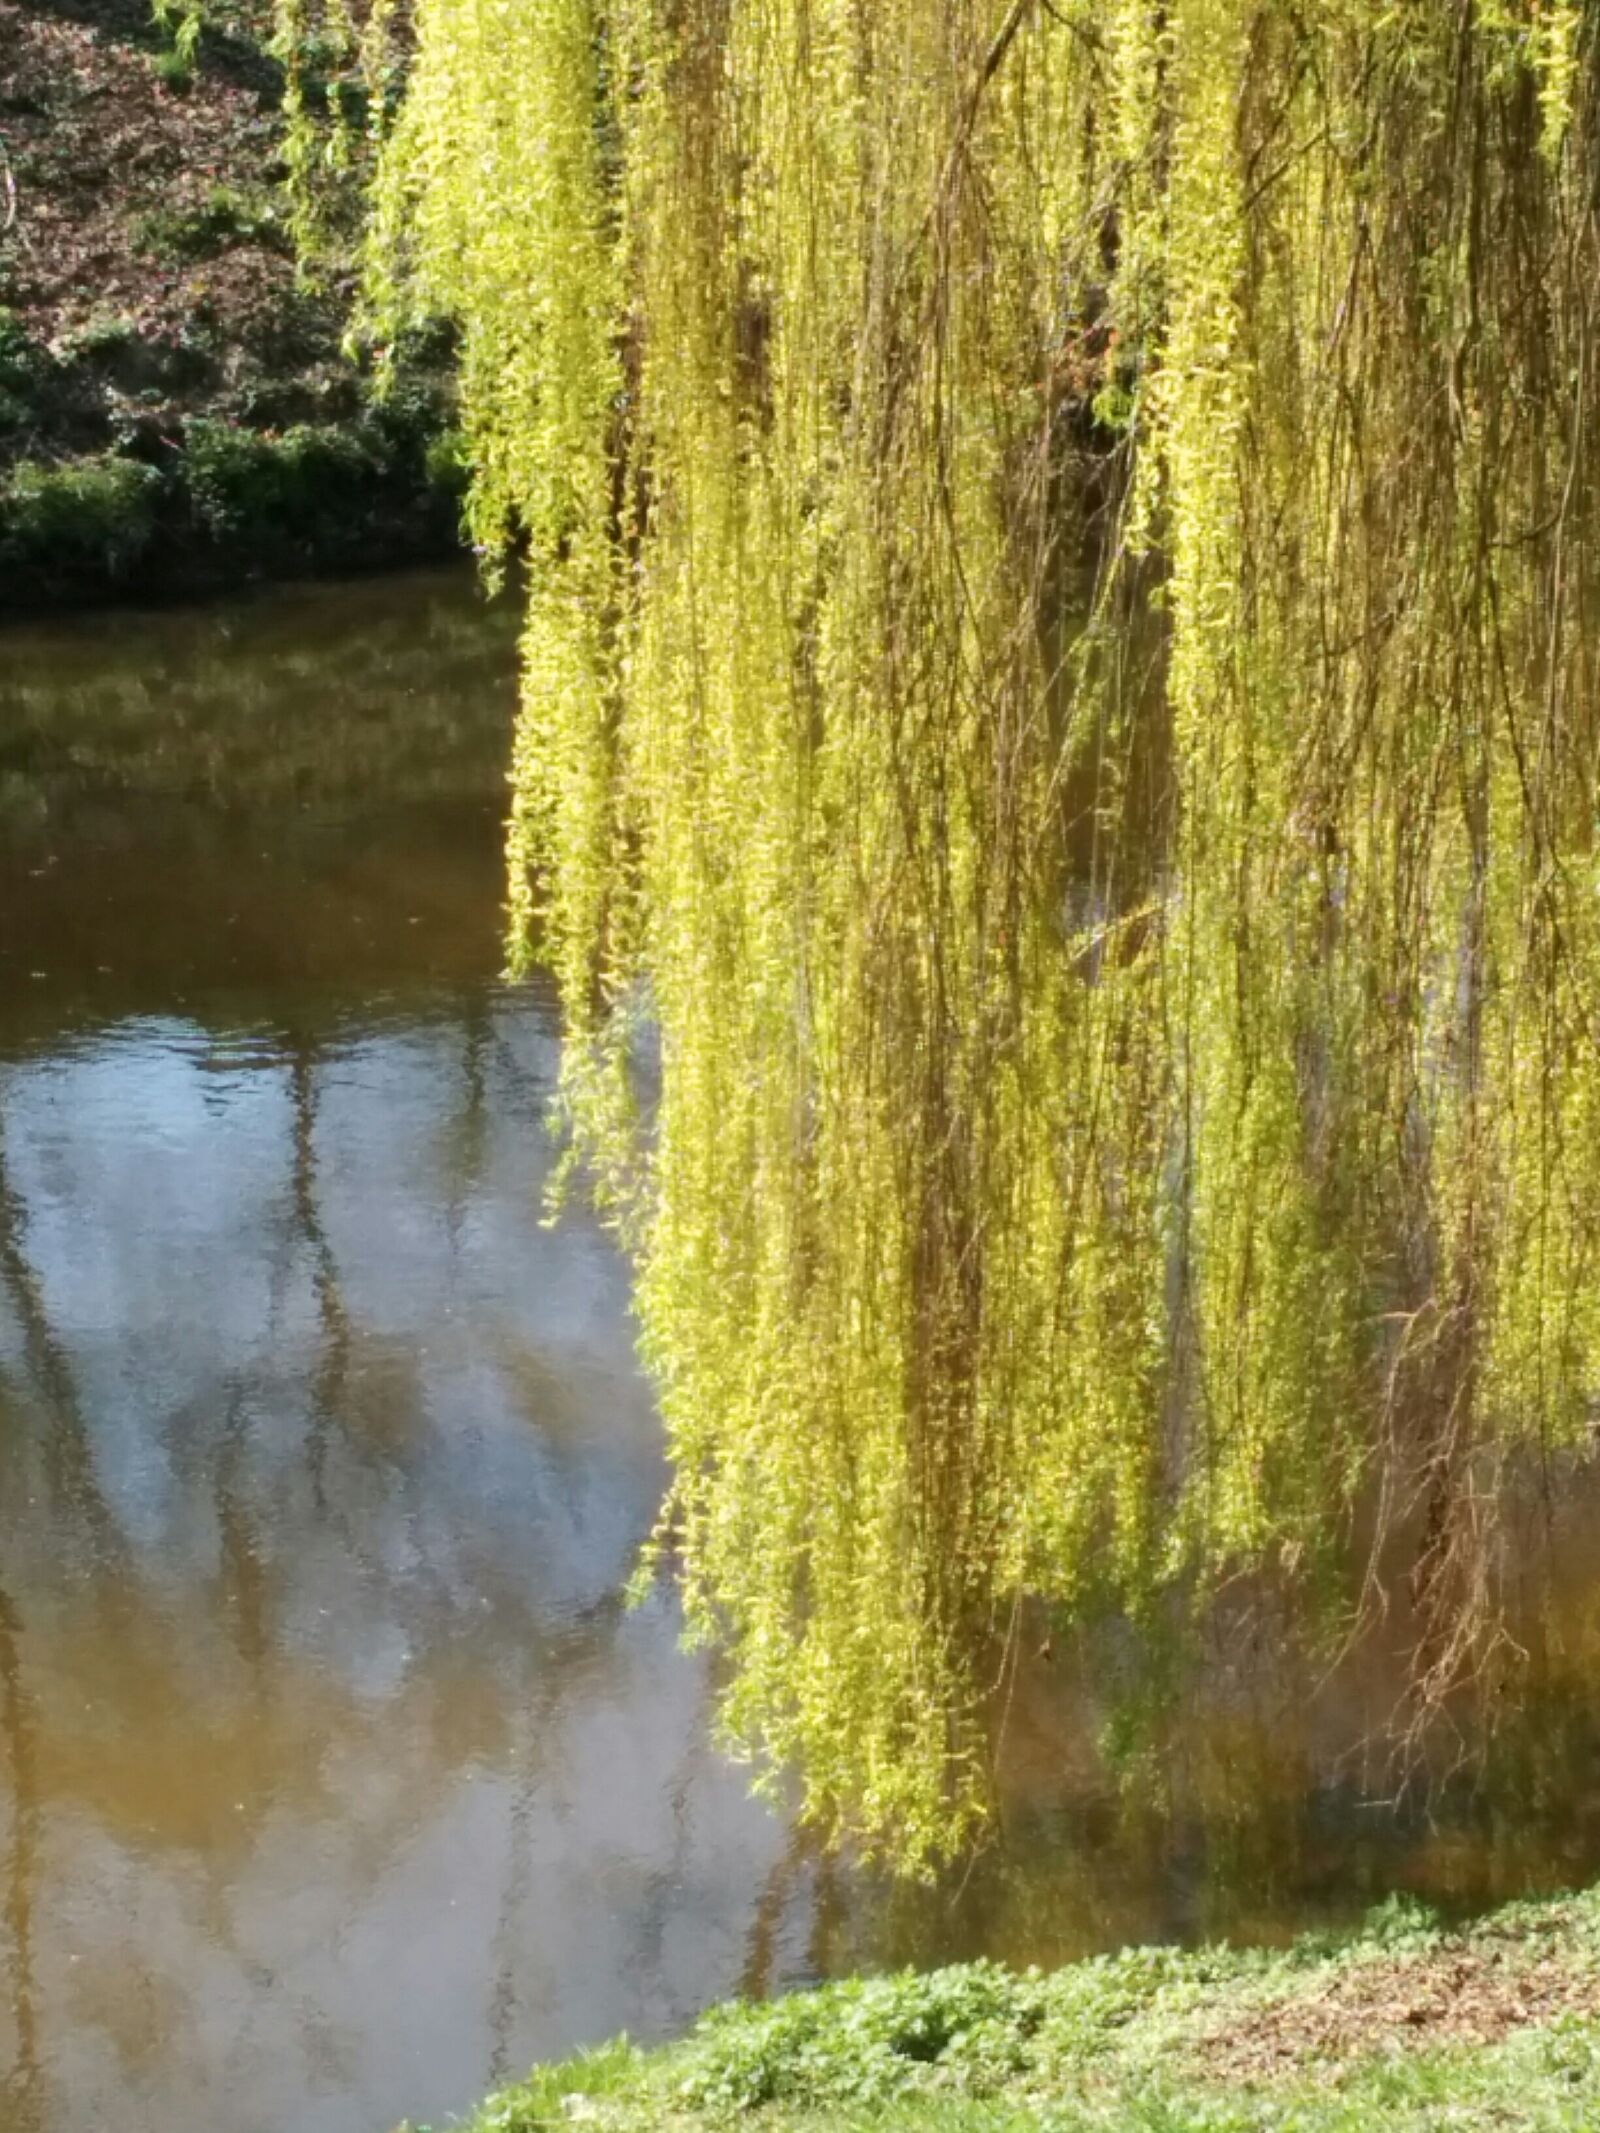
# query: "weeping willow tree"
1058, 690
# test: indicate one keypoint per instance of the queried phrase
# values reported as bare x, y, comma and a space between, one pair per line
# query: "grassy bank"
1409, 2024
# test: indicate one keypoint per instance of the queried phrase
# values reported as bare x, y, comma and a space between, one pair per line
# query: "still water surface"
336, 1783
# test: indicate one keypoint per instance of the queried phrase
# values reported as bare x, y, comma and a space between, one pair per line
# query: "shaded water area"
336, 1781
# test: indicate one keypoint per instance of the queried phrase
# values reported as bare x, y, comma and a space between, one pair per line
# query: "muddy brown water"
336, 1781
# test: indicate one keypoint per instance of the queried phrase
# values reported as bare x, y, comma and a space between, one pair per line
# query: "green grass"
1408, 2025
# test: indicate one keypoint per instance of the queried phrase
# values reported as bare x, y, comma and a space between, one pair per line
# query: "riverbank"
1410, 2024
179, 410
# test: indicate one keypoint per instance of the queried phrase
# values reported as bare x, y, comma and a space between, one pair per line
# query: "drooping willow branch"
342, 62
1056, 678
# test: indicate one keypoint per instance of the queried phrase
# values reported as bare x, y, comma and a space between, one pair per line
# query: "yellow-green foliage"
1059, 541
336, 59
183, 21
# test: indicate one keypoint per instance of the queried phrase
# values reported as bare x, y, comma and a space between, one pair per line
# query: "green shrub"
98, 513
446, 462
24, 369
21, 358
288, 485
173, 70
104, 334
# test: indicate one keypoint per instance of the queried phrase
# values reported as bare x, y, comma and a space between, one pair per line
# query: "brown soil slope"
176, 411
144, 263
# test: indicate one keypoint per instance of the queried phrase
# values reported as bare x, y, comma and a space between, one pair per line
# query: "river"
337, 1783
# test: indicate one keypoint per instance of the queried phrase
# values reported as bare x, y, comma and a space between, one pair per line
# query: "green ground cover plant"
1409, 2025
